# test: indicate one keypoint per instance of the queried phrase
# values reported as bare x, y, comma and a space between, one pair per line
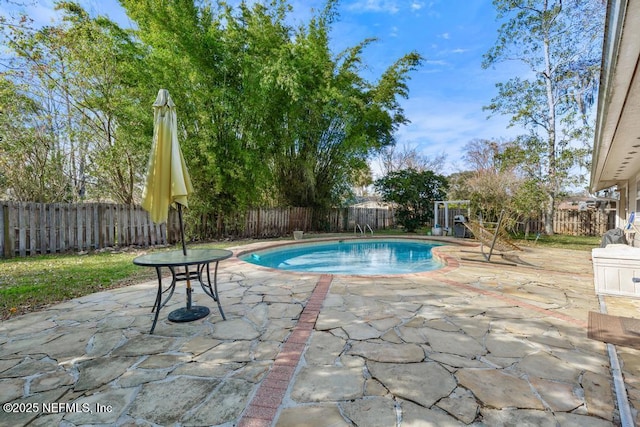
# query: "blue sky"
447, 92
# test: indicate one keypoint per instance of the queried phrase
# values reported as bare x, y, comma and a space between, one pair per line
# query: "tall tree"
86, 76
338, 117
559, 41
31, 168
414, 193
267, 110
222, 66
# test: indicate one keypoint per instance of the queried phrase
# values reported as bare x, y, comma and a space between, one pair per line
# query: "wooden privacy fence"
276, 222
254, 223
39, 228
592, 222
346, 219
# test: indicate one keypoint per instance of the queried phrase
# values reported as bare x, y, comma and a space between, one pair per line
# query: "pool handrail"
362, 231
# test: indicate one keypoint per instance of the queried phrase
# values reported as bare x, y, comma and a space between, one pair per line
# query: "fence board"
63, 226
11, 231
50, 229
3, 231
22, 230
110, 231
32, 227
80, 215
96, 226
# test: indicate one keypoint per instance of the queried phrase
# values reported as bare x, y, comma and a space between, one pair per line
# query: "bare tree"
560, 42
396, 158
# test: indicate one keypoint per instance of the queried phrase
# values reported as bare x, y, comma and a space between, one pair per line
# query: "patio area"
471, 344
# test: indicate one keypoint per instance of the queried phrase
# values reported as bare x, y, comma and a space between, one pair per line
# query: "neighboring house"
588, 203
616, 151
371, 203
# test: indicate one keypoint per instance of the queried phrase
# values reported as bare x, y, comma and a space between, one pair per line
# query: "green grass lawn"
581, 243
32, 283
28, 284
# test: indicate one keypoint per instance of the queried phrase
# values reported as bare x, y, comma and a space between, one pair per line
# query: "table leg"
171, 288
156, 305
208, 289
159, 303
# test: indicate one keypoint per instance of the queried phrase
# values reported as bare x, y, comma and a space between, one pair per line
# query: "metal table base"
201, 259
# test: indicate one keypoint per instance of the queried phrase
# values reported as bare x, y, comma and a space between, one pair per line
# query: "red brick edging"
263, 408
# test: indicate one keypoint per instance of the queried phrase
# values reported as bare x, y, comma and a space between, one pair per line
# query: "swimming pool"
362, 257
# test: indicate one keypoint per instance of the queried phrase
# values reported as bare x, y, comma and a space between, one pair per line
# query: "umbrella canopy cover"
167, 181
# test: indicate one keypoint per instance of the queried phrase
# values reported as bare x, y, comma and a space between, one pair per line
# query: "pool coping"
449, 263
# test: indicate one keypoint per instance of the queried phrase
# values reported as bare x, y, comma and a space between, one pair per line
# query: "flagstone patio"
471, 344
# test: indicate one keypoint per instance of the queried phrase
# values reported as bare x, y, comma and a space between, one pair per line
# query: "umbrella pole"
188, 313
184, 245
186, 272
184, 252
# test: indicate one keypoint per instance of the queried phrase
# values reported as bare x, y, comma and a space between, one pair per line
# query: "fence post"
3, 231
6, 241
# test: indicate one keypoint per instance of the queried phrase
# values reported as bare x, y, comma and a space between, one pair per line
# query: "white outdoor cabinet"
615, 268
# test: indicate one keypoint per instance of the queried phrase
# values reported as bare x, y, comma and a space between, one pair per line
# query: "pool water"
362, 257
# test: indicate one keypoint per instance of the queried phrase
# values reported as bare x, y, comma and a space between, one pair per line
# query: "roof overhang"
616, 150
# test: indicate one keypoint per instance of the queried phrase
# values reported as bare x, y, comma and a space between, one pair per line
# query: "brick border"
264, 406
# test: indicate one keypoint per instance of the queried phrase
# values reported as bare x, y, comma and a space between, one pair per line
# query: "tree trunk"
551, 141
549, 212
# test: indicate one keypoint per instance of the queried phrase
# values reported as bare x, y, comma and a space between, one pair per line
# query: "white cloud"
445, 36
380, 6
444, 125
417, 5
385, 6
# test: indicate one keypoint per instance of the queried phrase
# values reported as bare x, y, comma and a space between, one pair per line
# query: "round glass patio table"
175, 260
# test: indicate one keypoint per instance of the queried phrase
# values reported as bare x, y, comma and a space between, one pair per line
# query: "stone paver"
472, 344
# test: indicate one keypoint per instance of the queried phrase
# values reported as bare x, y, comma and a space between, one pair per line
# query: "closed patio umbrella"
168, 184
168, 181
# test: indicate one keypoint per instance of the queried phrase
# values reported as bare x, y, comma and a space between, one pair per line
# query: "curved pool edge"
449, 262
